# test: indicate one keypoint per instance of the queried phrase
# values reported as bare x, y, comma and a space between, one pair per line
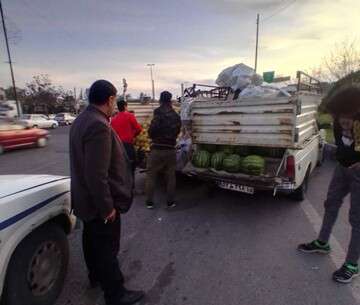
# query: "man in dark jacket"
345, 180
101, 189
163, 131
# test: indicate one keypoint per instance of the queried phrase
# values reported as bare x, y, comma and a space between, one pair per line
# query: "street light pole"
257, 41
152, 80
10, 61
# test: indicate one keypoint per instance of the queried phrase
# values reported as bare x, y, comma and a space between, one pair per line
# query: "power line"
278, 11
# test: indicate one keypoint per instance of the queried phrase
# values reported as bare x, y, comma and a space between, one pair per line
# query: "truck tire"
300, 193
37, 269
42, 142
54, 126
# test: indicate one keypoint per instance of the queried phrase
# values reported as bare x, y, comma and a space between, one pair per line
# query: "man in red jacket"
127, 128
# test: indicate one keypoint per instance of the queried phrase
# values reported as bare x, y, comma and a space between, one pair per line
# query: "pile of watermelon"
253, 165
233, 159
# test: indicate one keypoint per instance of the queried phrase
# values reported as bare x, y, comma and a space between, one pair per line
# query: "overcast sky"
78, 41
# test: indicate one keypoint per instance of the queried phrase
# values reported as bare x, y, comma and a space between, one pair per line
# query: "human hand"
111, 217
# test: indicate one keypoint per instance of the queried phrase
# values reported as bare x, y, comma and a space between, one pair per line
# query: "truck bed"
285, 122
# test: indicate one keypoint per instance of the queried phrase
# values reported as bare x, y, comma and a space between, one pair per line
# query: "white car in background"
38, 121
65, 118
35, 219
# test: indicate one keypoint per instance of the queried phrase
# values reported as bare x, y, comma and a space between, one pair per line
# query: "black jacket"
345, 155
101, 176
165, 127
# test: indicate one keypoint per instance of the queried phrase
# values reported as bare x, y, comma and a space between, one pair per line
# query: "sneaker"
346, 273
314, 247
171, 204
149, 205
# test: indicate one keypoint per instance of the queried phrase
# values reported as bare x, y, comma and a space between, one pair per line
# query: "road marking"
337, 254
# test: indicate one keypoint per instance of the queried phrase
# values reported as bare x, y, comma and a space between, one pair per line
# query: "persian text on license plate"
236, 187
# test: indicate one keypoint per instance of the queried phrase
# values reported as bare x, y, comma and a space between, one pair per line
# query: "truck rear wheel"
37, 268
300, 193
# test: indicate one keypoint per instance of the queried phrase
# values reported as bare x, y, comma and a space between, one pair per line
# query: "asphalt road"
216, 248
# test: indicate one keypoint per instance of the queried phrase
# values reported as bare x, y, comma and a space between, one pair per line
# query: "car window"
26, 117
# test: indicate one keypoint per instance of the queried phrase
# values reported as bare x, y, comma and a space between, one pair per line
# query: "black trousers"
101, 244
131, 153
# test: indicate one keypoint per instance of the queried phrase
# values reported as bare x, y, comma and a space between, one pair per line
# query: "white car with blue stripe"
35, 219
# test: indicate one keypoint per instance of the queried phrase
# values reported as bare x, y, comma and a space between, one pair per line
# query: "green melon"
232, 163
217, 160
253, 165
227, 149
201, 159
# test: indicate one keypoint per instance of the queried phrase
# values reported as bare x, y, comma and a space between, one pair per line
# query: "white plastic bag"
185, 108
183, 152
264, 91
238, 77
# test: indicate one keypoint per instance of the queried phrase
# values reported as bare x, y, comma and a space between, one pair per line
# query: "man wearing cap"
163, 131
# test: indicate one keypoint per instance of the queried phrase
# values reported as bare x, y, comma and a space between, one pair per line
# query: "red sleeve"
135, 125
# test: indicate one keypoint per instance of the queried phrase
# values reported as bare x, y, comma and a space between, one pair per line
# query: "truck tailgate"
282, 122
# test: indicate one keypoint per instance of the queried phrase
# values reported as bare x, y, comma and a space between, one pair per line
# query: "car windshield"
26, 117
60, 115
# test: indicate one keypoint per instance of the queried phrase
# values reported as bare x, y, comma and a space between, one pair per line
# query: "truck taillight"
290, 167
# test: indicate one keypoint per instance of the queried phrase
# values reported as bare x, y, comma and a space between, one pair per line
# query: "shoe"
128, 297
314, 247
346, 273
171, 204
149, 205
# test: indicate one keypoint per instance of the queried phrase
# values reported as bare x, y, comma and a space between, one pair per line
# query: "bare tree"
342, 60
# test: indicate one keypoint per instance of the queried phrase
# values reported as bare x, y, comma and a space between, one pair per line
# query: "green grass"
324, 120
330, 136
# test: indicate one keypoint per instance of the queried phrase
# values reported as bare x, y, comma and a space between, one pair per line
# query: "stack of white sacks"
242, 77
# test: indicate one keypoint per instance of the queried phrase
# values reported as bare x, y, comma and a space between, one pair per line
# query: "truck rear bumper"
275, 184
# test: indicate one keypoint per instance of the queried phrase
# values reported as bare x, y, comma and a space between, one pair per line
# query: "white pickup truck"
282, 128
35, 219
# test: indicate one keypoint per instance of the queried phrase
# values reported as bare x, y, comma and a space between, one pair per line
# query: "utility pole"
152, 80
18, 108
257, 40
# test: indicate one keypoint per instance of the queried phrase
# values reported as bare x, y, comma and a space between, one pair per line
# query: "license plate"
236, 187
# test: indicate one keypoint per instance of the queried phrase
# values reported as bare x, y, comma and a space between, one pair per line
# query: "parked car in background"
35, 219
51, 116
65, 118
38, 121
8, 110
15, 136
